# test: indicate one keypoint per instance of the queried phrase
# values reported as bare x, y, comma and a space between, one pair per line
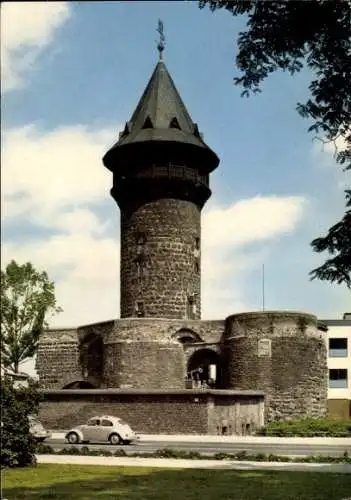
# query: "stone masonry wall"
144, 365
160, 260
136, 352
282, 354
57, 361
154, 413
146, 414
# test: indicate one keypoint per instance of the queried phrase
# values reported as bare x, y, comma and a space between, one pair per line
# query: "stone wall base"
158, 412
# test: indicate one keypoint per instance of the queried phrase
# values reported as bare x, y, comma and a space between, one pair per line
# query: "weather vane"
161, 43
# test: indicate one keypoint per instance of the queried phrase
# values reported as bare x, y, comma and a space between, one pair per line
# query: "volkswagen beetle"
37, 429
102, 429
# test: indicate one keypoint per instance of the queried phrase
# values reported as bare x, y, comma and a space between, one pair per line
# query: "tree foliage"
290, 35
17, 403
27, 298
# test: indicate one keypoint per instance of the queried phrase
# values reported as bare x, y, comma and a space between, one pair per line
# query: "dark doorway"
204, 368
91, 352
79, 384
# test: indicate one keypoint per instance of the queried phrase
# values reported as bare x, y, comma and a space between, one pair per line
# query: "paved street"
277, 448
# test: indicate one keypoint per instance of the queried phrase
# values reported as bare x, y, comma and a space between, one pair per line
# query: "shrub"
44, 449
18, 446
171, 453
307, 427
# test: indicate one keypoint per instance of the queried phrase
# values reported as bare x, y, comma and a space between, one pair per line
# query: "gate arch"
79, 384
198, 368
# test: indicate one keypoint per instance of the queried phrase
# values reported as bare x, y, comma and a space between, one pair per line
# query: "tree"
17, 443
27, 298
290, 35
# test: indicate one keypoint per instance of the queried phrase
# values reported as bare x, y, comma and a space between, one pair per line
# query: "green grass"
89, 482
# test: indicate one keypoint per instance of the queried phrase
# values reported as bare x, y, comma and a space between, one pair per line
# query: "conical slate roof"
160, 116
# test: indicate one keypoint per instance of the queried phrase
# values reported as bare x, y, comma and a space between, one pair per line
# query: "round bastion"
138, 355
282, 353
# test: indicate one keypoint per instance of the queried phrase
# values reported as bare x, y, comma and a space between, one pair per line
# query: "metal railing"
173, 171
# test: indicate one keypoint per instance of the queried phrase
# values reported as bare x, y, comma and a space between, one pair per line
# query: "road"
287, 449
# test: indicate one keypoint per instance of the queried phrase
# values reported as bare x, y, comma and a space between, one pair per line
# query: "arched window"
187, 336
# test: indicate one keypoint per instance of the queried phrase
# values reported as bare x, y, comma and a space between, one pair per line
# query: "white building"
338, 340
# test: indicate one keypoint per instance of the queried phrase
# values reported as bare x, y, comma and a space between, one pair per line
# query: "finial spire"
161, 43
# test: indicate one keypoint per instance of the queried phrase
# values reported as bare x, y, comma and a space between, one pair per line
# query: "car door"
91, 430
106, 428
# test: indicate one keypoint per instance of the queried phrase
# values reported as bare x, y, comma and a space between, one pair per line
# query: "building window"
338, 348
140, 238
140, 266
191, 308
197, 243
139, 309
338, 379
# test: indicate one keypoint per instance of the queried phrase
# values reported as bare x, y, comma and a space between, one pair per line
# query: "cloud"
228, 236
26, 28
44, 174
85, 273
251, 220
55, 180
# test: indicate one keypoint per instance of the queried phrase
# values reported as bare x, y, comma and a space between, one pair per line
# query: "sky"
72, 74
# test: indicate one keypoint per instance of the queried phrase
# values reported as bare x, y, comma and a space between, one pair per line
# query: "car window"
106, 423
94, 421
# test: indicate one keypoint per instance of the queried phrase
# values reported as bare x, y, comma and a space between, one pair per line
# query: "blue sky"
72, 75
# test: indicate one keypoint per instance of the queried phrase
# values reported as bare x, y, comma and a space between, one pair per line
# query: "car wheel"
73, 438
115, 439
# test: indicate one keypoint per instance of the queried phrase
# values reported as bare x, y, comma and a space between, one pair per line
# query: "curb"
345, 441
192, 464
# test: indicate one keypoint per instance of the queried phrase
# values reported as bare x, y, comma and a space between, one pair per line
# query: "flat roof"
336, 322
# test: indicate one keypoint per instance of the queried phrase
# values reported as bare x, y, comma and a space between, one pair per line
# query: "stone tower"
161, 168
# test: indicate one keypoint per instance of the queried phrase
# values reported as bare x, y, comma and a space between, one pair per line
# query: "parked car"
102, 429
37, 429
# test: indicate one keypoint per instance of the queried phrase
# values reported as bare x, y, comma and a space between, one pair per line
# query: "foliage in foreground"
191, 455
290, 36
18, 447
27, 298
308, 428
90, 482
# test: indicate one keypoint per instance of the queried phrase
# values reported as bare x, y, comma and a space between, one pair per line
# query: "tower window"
138, 268
140, 238
139, 309
197, 266
191, 308
197, 243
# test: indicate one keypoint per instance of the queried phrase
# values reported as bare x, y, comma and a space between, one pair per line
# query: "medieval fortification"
159, 366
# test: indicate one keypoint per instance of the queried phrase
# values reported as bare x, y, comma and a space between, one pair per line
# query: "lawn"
89, 482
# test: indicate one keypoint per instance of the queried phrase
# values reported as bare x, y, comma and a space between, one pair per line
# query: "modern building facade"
338, 340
